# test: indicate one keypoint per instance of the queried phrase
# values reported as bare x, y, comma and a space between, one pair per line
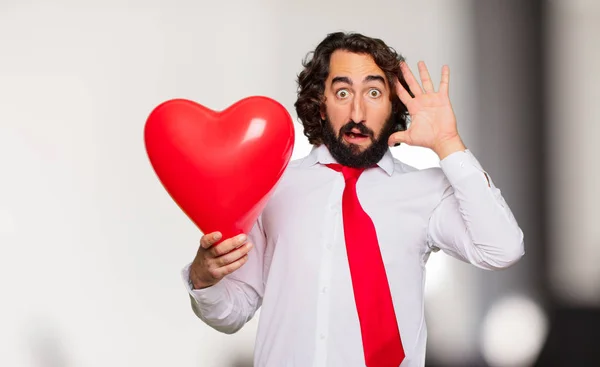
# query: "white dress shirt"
298, 269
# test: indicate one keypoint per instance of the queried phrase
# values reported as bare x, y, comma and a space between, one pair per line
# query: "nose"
358, 111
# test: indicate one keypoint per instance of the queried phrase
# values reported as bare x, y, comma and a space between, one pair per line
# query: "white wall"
90, 244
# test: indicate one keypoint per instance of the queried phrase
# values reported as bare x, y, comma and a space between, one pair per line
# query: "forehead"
346, 63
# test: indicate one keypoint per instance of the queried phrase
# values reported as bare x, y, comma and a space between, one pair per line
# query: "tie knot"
348, 172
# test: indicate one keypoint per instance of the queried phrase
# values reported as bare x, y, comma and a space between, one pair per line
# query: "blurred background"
91, 246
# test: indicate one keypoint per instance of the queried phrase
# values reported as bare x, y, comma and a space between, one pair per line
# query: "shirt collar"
321, 155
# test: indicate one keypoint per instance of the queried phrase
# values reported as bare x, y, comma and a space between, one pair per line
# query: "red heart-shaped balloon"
220, 167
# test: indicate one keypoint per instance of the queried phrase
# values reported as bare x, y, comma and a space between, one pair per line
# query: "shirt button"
324, 290
322, 336
462, 164
328, 245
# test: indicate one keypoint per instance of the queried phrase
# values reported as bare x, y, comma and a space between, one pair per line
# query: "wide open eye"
374, 93
342, 93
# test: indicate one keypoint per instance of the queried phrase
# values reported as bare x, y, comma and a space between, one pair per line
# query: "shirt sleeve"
472, 222
229, 304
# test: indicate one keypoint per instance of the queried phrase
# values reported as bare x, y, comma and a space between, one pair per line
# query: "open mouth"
355, 137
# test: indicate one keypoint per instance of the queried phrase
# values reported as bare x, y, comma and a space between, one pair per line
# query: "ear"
322, 111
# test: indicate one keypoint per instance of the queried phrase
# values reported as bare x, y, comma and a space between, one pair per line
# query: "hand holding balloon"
213, 262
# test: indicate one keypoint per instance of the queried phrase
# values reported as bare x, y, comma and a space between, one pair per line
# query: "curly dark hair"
311, 81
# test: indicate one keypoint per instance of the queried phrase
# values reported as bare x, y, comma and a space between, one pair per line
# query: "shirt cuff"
209, 295
460, 165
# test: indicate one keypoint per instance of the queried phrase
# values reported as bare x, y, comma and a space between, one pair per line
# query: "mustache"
360, 127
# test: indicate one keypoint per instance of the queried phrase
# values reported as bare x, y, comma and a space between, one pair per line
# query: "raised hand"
433, 123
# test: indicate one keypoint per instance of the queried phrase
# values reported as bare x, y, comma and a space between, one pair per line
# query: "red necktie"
380, 336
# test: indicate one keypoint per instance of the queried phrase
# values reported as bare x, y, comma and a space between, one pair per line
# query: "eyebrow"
368, 78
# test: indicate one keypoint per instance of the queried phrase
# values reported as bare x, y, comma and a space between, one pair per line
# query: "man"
337, 258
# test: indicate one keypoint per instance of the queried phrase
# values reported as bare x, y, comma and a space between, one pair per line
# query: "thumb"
397, 138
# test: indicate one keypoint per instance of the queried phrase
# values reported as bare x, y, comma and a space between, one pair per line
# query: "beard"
348, 154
